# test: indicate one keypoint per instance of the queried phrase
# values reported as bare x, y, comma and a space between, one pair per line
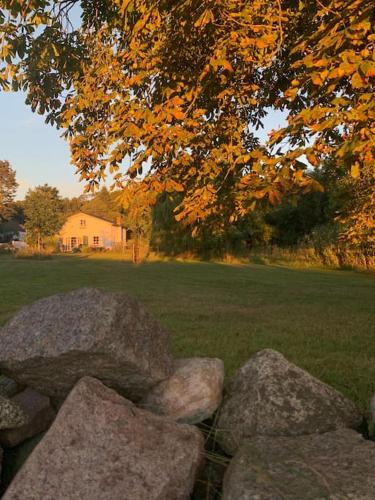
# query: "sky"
39, 155
34, 149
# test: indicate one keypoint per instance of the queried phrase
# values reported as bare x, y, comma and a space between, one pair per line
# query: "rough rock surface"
40, 414
52, 343
372, 405
1, 461
14, 458
271, 396
337, 465
8, 387
11, 414
193, 392
102, 447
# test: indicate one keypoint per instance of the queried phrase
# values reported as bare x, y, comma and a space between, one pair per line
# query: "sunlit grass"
323, 320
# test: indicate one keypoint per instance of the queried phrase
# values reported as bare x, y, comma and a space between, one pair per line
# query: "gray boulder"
193, 392
52, 343
273, 397
102, 447
11, 414
40, 415
336, 465
372, 406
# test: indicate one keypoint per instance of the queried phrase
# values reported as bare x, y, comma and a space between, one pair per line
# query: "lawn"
322, 320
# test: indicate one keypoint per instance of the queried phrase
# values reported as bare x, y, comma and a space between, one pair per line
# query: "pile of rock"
291, 436
126, 413
94, 355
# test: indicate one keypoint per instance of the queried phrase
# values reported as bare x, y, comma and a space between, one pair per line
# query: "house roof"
11, 226
98, 217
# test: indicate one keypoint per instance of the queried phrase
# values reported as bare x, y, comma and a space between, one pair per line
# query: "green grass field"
320, 319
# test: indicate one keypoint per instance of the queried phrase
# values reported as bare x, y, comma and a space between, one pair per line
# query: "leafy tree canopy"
102, 204
43, 210
177, 87
8, 188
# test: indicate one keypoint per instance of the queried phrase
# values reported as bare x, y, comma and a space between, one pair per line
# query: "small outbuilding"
12, 230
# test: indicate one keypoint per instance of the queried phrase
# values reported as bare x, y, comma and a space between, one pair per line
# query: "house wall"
92, 231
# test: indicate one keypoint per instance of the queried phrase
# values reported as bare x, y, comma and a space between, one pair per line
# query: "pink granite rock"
192, 393
271, 396
336, 465
102, 447
52, 343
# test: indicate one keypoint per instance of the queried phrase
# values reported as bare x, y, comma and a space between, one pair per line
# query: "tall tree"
332, 105
43, 210
8, 188
136, 203
178, 86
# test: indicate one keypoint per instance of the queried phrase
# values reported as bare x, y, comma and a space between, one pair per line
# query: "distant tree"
18, 214
8, 187
102, 204
43, 210
75, 204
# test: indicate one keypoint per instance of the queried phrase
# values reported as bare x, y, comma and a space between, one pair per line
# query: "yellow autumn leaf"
178, 114
204, 19
355, 170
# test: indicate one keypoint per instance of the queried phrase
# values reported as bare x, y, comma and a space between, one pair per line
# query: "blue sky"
38, 153
35, 150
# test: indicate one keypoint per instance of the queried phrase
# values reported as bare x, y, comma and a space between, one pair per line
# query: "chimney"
118, 220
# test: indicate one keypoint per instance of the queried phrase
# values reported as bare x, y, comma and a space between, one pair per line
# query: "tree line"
308, 219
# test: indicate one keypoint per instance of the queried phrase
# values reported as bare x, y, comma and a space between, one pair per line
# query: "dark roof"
11, 226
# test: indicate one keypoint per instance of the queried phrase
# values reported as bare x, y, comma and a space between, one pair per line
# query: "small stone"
336, 465
40, 414
11, 415
8, 387
52, 343
271, 396
193, 392
102, 447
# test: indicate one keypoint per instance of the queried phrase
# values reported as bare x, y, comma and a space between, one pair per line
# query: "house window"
86, 240
73, 242
96, 241
82, 223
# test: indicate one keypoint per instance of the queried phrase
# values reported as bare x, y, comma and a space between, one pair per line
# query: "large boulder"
372, 406
40, 416
271, 396
52, 343
335, 465
11, 414
102, 447
193, 392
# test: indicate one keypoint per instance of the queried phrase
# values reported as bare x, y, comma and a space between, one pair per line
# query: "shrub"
6, 249
33, 253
